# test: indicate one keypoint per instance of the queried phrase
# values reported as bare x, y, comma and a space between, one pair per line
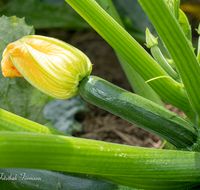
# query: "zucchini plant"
61, 71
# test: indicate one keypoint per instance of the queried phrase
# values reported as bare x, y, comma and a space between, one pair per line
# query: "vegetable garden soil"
99, 124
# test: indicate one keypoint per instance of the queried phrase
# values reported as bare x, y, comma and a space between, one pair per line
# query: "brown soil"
97, 123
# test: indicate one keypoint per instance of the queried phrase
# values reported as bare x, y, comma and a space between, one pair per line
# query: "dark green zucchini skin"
139, 111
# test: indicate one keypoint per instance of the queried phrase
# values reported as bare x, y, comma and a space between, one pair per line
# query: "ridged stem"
136, 81
137, 167
12, 122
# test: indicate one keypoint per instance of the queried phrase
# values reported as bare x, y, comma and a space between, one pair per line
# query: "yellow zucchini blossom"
50, 65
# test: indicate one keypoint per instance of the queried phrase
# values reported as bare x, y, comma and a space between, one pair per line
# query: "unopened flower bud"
150, 39
52, 66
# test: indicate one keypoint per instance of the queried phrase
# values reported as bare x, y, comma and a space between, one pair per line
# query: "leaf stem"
152, 43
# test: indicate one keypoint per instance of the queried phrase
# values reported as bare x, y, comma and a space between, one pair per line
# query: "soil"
97, 123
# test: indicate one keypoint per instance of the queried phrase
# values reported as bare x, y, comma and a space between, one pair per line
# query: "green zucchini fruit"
142, 112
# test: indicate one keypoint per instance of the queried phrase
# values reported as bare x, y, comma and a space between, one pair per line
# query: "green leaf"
44, 14
183, 21
12, 29
46, 180
62, 114
17, 95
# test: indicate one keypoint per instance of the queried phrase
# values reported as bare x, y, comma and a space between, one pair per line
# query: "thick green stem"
12, 122
164, 64
152, 43
176, 8
136, 81
137, 167
198, 46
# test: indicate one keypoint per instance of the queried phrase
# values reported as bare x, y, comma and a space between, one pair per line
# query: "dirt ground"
97, 123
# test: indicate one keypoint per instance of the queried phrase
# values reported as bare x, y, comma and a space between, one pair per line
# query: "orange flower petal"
8, 68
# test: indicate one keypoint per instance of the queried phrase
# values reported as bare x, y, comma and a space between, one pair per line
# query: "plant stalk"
133, 166
136, 81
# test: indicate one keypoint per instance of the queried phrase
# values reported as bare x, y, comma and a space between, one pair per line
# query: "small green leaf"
183, 21
17, 95
62, 113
